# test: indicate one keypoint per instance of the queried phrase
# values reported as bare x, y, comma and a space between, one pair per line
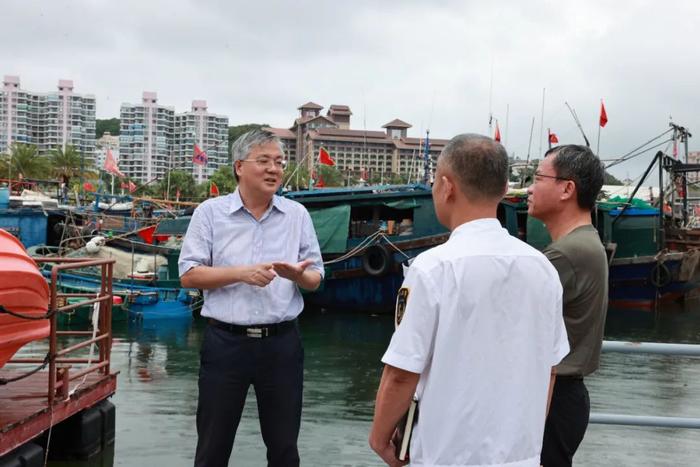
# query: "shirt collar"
236, 202
477, 225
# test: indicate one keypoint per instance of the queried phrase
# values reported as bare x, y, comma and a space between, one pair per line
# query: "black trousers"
566, 423
230, 363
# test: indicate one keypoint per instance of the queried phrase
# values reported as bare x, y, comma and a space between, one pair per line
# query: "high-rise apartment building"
361, 153
154, 139
209, 132
46, 120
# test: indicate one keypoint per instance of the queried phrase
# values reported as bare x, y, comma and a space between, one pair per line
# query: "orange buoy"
22, 290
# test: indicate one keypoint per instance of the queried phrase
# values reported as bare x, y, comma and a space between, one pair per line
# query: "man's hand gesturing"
293, 272
259, 274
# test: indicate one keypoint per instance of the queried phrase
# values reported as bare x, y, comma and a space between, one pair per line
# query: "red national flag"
603, 115
131, 186
320, 183
325, 158
111, 165
497, 136
87, 186
199, 157
553, 138
213, 190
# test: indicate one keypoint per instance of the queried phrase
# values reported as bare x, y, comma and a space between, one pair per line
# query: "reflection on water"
157, 393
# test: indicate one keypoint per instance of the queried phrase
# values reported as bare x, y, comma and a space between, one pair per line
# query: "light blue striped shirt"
223, 232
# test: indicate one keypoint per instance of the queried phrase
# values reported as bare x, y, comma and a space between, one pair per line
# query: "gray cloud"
428, 63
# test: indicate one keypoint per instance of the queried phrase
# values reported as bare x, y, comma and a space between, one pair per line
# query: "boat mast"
426, 159
578, 123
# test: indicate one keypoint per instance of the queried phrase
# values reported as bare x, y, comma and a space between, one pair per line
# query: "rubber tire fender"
377, 260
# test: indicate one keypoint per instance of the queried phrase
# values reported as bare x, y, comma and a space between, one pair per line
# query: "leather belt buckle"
258, 333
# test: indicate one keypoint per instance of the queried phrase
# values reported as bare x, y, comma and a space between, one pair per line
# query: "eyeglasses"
267, 162
540, 175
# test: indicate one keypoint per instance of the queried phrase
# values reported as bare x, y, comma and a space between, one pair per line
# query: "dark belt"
570, 377
258, 331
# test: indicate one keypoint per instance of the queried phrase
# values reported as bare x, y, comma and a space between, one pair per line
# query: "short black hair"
580, 165
480, 165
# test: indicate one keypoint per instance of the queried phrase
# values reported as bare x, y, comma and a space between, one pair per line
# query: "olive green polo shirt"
580, 260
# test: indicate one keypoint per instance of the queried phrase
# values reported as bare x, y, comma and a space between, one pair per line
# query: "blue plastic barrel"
4, 197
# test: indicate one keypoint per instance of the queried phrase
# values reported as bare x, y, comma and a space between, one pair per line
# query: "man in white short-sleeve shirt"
480, 330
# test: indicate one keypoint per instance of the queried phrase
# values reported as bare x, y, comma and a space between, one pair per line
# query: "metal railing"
651, 348
59, 377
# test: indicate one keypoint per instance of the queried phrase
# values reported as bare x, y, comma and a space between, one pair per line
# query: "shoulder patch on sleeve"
401, 300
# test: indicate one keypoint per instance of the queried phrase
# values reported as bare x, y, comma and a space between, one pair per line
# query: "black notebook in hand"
404, 430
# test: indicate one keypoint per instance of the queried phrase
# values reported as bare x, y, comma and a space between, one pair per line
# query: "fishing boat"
24, 292
145, 277
365, 235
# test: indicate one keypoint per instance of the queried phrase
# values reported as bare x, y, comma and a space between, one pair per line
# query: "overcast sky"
427, 62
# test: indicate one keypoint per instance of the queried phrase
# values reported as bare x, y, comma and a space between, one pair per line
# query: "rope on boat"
362, 246
47, 359
48, 314
632, 154
376, 237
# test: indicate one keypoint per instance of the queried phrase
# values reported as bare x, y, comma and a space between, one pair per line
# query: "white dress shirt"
483, 326
223, 232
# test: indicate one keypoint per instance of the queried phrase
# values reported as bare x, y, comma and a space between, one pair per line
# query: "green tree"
610, 179
23, 161
397, 179
294, 179
110, 124
66, 164
224, 179
178, 179
330, 175
235, 131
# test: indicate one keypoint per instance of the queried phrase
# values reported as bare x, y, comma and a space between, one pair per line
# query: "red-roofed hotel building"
379, 154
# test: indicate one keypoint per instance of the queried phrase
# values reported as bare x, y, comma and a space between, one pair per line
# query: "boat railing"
649, 348
58, 360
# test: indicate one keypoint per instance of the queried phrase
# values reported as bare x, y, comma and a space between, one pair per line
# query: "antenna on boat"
527, 161
490, 98
541, 126
426, 159
578, 123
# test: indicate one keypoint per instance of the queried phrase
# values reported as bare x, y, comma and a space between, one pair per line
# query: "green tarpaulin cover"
616, 201
332, 226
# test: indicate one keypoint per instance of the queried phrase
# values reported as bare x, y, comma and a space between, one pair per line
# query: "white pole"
539, 154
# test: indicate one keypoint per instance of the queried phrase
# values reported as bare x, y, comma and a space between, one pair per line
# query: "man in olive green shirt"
566, 185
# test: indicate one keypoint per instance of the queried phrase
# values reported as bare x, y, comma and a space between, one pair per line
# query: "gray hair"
480, 165
241, 148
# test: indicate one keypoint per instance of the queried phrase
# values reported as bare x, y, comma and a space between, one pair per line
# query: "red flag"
111, 165
325, 158
87, 186
132, 186
497, 136
213, 190
603, 115
320, 183
553, 138
199, 157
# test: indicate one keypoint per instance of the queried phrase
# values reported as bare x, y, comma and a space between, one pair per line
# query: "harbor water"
156, 397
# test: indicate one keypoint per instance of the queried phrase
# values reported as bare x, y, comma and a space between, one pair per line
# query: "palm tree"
24, 162
66, 163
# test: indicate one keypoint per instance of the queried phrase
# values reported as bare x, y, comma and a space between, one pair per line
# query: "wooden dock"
24, 407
